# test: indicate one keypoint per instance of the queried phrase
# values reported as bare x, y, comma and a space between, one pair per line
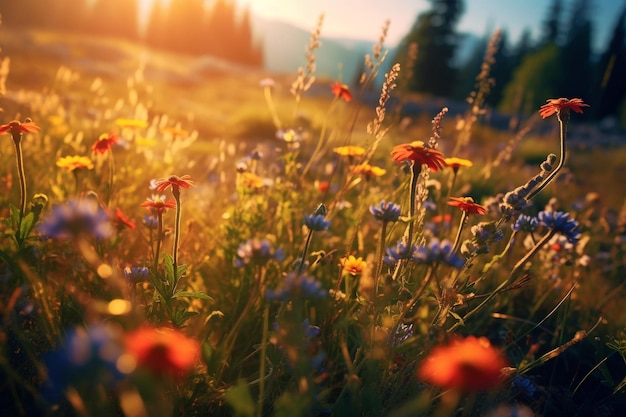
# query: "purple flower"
296, 286
560, 223
439, 252
385, 211
396, 253
76, 218
525, 223
85, 356
136, 273
257, 251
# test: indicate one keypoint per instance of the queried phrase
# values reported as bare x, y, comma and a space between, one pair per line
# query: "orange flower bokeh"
163, 351
467, 364
104, 143
173, 181
341, 91
419, 154
556, 105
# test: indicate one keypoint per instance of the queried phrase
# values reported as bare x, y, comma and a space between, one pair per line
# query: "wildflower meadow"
345, 259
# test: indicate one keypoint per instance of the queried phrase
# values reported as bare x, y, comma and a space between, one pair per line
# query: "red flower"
173, 181
441, 219
104, 143
469, 364
419, 154
16, 127
164, 352
556, 105
120, 220
467, 205
341, 91
158, 203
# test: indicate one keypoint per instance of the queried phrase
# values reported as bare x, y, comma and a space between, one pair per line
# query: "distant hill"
337, 58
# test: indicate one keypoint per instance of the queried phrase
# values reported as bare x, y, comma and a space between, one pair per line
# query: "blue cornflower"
76, 218
525, 385
296, 286
257, 251
136, 273
385, 211
87, 355
525, 223
316, 222
396, 253
560, 222
439, 252
151, 222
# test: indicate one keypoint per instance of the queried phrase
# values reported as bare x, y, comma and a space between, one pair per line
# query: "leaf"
168, 264
195, 294
181, 316
457, 317
240, 399
26, 226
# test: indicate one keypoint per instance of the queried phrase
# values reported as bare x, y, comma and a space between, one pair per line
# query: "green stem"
457, 239
415, 173
508, 281
304, 252
266, 315
176, 193
111, 176
267, 91
17, 141
381, 253
157, 252
550, 177
418, 294
320, 140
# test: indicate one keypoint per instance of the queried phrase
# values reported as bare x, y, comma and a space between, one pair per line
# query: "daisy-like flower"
561, 105
349, 150
104, 142
419, 154
469, 365
73, 162
15, 127
561, 223
173, 181
456, 163
267, 83
467, 205
368, 171
352, 265
252, 181
162, 351
158, 203
341, 91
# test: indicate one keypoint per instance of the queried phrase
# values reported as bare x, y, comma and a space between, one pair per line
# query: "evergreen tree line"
185, 26
560, 63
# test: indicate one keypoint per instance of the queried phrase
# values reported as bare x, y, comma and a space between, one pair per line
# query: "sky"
363, 19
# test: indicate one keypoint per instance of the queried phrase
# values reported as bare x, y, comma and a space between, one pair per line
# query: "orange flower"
104, 143
120, 221
15, 127
173, 181
341, 91
368, 171
469, 364
556, 105
74, 162
467, 205
441, 219
352, 265
158, 203
349, 150
456, 163
419, 154
164, 352
253, 181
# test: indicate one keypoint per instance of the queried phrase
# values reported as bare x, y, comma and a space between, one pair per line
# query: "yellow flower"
456, 163
250, 180
131, 123
368, 171
351, 265
74, 162
350, 150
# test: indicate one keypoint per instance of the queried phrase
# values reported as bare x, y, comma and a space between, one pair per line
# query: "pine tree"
577, 72
434, 32
551, 27
117, 18
611, 83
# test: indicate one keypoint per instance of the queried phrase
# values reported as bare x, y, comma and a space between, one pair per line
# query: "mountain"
337, 58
